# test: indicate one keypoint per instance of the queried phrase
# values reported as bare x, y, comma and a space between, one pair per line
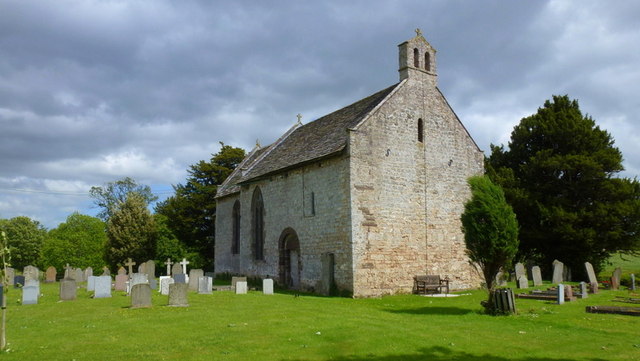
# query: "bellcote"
417, 59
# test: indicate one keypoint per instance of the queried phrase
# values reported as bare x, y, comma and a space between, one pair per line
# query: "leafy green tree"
490, 230
131, 232
25, 237
168, 246
80, 242
558, 174
109, 197
191, 211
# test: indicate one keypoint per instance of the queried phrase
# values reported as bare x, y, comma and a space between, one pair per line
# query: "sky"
94, 91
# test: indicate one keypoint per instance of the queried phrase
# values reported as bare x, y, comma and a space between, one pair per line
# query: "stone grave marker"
106, 271
31, 273
30, 295
590, 272
68, 272
523, 282
91, 283
500, 280
584, 293
140, 295
205, 285
194, 275
79, 275
241, 288
121, 281
142, 268
102, 287
536, 275
520, 271
34, 283
130, 264
568, 292
50, 274
151, 272
178, 295
168, 263
558, 270
9, 275
615, 278
235, 280
560, 294
593, 287
176, 269
122, 271
18, 281
138, 278
180, 278
165, 281
87, 273
267, 286
184, 264
68, 290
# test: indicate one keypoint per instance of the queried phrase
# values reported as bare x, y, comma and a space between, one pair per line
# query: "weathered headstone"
130, 264
87, 273
267, 286
180, 278
121, 282
34, 283
142, 268
241, 288
31, 273
138, 278
194, 275
18, 281
151, 268
140, 295
584, 293
184, 264
178, 295
560, 294
520, 271
205, 285
91, 283
235, 280
50, 274
536, 275
523, 282
9, 275
106, 271
165, 281
593, 287
615, 278
590, 272
68, 290
102, 287
568, 292
122, 271
30, 295
176, 269
79, 275
168, 263
558, 270
501, 280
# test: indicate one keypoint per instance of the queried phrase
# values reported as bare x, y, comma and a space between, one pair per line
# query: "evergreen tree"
558, 173
25, 237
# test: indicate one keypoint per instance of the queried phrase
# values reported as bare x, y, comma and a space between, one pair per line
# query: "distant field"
629, 264
225, 326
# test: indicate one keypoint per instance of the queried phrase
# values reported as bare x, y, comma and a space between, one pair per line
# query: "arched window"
427, 61
420, 130
257, 224
416, 58
235, 238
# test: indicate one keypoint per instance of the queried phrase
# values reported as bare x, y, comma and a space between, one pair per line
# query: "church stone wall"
322, 228
406, 197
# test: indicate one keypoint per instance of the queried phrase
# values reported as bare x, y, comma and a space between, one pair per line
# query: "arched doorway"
290, 264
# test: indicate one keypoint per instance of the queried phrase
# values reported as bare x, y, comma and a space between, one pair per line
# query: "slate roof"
321, 138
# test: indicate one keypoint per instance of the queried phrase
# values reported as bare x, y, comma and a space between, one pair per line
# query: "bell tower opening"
417, 59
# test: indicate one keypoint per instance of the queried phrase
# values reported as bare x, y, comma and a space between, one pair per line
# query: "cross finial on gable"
299, 118
418, 32
258, 143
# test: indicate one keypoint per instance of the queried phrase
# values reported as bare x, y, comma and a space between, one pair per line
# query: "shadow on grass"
438, 353
452, 311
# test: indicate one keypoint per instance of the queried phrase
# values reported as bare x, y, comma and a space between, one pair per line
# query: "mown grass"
629, 264
225, 326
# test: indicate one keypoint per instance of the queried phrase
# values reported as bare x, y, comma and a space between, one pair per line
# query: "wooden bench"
425, 283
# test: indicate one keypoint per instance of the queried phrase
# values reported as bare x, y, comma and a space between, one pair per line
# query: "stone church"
360, 200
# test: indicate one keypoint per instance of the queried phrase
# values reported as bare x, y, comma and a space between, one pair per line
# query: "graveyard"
211, 321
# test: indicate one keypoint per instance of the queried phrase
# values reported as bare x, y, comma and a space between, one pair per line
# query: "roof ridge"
239, 167
272, 146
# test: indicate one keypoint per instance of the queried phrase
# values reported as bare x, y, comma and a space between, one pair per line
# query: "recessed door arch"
290, 262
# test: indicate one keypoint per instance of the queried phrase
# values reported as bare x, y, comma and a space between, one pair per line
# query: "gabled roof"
321, 138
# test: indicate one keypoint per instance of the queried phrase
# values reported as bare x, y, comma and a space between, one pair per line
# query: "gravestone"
33, 283
520, 271
31, 273
79, 275
593, 287
178, 295
241, 288
267, 286
584, 293
568, 292
523, 282
68, 290
205, 285
9, 275
176, 269
590, 272
184, 264
142, 268
194, 275
633, 282
88, 272
180, 278
102, 287
122, 271
30, 295
500, 280
50, 274
168, 263
235, 280
566, 273
536, 275
69, 273
130, 264
560, 294
615, 278
165, 281
91, 283
106, 271
121, 282
138, 278
151, 272
558, 270
18, 281
141, 295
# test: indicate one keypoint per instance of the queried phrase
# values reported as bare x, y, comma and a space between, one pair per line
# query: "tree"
558, 174
115, 193
131, 232
80, 241
168, 245
191, 211
25, 237
490, 230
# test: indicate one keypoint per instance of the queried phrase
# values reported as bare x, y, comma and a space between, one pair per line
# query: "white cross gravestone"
168, 263
267, 286
184, 264
241, 288
102, 287
130, 264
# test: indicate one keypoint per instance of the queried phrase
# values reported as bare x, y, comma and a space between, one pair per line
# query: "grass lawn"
225, 326
629, 264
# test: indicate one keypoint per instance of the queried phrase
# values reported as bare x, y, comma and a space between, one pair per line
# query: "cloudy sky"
93, 91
